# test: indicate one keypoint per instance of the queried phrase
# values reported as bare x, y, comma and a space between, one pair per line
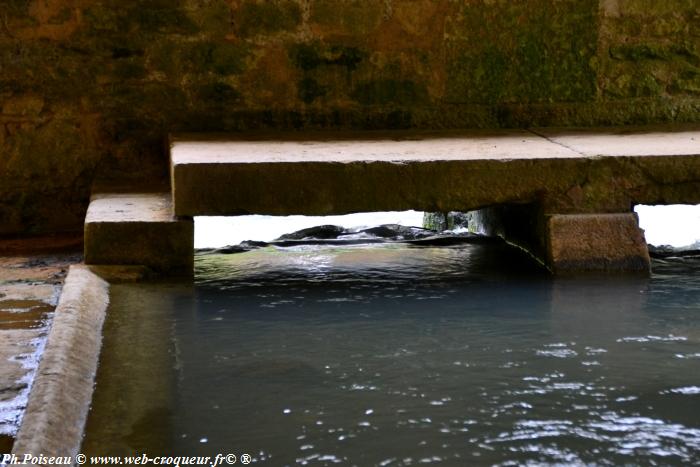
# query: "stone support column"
569, 243
595, 242
139, 229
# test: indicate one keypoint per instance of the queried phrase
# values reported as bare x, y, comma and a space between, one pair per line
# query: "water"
216, 232
396, 355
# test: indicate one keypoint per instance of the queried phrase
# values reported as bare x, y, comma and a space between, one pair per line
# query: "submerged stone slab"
138, 229
321, 174
597, 243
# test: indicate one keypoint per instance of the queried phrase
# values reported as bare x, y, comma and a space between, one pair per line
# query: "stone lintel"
325, 175
566, 171
595, 243
138, 229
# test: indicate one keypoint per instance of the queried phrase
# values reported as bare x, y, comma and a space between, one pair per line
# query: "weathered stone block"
337, 174
596, 243
347, 17
568, 243
138, 229
23, 106
255, 17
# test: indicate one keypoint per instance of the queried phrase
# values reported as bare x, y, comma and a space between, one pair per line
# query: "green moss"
103, 18
145, 103
215, 18
309, 56
220, 58
255, 17
310, 90
688, 81
176, 58
635, 83
16, 7
353, 16
480, 77
390, 91
129, 69
306, 56
218, 93
395, 120
655, 8
151, 18
529, 51
435, 221
646, 85
62, 16
166, 56
135, 70
228, 59
49, 69
639, 52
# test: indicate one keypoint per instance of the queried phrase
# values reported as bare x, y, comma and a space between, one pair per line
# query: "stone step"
320, 174
138, 229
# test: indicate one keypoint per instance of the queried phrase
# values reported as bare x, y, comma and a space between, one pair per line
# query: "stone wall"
89, 89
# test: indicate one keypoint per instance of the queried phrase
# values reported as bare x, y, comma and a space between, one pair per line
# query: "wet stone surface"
29, 289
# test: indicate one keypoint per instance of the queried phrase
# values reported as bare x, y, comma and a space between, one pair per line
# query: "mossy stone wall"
89, 89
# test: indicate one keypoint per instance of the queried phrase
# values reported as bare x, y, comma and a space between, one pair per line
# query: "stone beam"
568, 173
340, 174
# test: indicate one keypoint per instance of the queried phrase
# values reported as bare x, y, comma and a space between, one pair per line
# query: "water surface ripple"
396, 355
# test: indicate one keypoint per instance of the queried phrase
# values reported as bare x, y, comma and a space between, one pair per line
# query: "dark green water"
392, 355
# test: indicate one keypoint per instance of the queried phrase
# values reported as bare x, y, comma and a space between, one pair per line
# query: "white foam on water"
687, 390
12, 410
642, 339
677, 225
215, 232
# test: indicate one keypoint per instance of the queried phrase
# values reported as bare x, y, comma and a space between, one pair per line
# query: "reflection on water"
392, 355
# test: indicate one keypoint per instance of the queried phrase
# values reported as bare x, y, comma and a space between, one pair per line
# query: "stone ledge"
681, 140
60, 397
594, 171
138, 229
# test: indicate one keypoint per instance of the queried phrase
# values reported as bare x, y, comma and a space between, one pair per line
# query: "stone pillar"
138, 229
569, 243
596, 242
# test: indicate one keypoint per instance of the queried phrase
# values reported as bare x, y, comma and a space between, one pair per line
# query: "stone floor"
31, 275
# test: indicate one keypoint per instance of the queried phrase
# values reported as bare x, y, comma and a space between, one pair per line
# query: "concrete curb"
60, 398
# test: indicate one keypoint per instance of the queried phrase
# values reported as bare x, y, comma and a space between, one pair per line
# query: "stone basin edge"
61, 394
